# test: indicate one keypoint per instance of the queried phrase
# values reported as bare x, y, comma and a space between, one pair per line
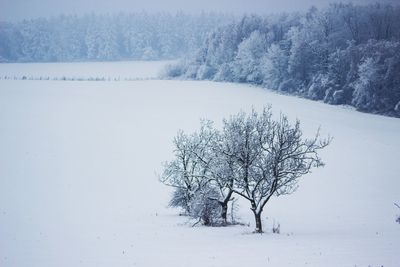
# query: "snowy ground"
78, 184
120, 70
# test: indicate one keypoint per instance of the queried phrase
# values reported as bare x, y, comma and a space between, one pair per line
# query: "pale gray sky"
12, 10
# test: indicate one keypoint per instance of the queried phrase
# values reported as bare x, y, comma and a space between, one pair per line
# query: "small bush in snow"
173, 70
205, 208
398, 217
180, 199
276, 229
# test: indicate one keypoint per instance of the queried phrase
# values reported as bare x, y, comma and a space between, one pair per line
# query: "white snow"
122, 70
78, 184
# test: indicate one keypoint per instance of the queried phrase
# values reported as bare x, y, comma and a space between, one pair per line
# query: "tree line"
345, 54
254, 157
138, 36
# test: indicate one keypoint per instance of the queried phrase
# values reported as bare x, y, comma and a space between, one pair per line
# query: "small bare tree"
270, 157
218, 169
188, 172
184, 172
241, 146
222, 180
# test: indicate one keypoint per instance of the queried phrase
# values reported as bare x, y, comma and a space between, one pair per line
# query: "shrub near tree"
254, 156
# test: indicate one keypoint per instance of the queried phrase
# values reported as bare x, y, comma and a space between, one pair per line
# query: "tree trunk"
257, 217
224, 211
224, 207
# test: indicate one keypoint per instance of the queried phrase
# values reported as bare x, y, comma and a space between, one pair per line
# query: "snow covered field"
120, 70
78, 184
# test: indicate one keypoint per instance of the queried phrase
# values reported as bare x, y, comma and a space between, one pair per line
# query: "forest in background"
136, 36
345, 54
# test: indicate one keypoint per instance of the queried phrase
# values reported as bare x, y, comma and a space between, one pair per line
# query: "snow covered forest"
344, 54
134, 36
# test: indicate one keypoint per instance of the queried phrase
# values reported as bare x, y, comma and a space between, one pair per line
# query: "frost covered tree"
376, 85
241, 150
205, 207
184, 172
190, 174
253, 156
270, 155
275, 66
287, 156
201, 175
247, 67
367, 85
215, 192
222, 172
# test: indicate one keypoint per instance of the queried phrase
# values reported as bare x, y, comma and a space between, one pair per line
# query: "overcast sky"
13, 10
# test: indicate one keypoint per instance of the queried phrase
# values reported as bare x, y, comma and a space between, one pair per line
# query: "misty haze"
203, 133
16, 10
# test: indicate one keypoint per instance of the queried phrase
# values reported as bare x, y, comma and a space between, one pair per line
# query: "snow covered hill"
78, 183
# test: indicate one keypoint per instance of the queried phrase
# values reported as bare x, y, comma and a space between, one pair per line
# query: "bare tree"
222, 173
270, 157
188, 172
240, 143
218, 169
184, 172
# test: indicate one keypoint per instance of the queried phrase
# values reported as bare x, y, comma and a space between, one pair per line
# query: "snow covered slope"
78, 184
